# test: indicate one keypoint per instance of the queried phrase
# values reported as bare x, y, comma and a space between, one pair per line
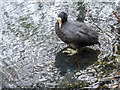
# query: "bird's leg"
71, 51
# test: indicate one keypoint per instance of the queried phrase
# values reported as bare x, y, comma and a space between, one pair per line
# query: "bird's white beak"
60, 22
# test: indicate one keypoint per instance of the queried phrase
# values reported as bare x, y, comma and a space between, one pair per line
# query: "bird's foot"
71, 51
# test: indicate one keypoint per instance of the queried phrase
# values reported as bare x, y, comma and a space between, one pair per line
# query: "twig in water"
96, 24
93, 21
116, 15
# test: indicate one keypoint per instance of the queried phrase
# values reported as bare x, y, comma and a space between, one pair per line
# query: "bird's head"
62, 17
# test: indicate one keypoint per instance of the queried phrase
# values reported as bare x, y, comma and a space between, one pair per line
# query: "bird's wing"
81, 33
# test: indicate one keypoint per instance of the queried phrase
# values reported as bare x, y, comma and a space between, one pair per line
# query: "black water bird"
75, 34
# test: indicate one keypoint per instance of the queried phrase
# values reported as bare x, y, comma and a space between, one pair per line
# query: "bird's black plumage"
74, 33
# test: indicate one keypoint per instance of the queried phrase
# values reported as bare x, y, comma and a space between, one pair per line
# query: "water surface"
31, 52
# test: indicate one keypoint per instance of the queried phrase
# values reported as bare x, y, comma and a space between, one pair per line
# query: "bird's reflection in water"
80, 61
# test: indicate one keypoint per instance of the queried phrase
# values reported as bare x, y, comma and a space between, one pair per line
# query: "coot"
74, 33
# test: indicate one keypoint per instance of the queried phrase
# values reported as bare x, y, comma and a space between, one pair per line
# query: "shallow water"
31, 52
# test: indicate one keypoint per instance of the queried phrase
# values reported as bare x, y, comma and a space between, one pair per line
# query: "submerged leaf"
118, 59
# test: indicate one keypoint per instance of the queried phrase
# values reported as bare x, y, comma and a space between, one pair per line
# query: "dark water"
31, 53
